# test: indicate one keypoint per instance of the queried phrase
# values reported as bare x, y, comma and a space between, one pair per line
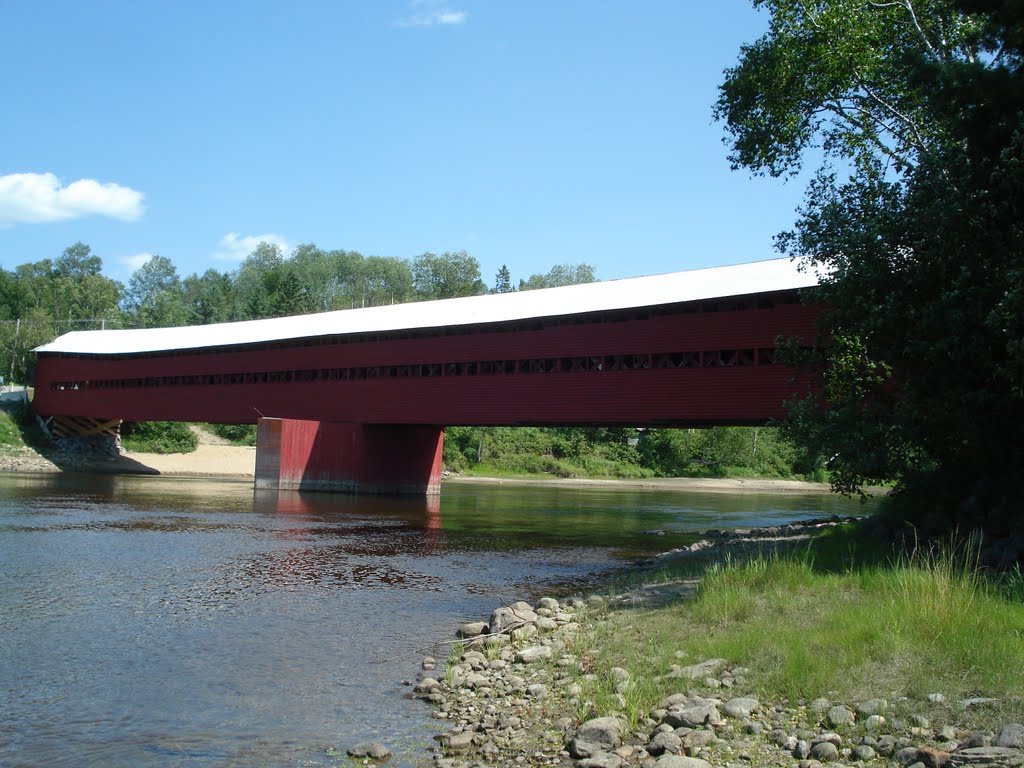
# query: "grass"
237, 434
892, 628
158, 437
10, 432
19, 428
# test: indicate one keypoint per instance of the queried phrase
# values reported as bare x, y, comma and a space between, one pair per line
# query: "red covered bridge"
358, 399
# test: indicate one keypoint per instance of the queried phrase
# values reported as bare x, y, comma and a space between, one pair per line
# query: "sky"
527, 133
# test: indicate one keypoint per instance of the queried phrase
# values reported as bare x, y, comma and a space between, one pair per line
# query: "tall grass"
927, 622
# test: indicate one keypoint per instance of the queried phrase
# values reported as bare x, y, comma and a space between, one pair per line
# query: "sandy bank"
703, 484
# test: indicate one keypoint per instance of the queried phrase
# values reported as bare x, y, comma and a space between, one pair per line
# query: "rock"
373, 750
832, 738
906, 756
457, 742
820, 706
665, 741
472, 629
945, 733
741, 707
507, 618
698, 713
886, 745
428, 663
802, 751
1004, 757
606, 731
874, 722
525, 632
533, 654
601, 760
825, 751
976, 739
936, 698
427, 685
680, 761
697, 671
537, 691
840, 715
863, 752
549, 603
976, 701
698, 739
871, 707
1011, 735
545, 624
932, 757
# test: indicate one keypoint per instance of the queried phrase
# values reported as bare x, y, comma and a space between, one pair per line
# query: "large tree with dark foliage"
915, 222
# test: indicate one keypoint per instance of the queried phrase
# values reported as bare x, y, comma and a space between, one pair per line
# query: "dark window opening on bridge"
565, 365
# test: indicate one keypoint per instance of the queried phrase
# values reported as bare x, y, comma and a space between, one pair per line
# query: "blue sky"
526, 133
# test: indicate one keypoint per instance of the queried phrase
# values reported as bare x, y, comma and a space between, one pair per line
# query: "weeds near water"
811, 624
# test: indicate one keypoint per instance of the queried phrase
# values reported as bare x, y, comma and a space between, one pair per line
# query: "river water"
149, 621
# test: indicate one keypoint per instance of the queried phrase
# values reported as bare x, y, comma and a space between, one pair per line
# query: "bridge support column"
294, 454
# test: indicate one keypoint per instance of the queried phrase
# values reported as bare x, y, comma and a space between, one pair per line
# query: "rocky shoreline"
514, 692
511, 694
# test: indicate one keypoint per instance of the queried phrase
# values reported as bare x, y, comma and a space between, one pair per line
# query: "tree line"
916, 221
42, 300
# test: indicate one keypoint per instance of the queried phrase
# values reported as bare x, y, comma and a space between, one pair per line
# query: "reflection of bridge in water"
357, 400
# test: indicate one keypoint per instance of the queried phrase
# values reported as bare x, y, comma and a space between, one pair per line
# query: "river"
151, 621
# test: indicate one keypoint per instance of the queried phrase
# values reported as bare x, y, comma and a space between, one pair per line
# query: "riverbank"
703, 484
769, 662
212, 459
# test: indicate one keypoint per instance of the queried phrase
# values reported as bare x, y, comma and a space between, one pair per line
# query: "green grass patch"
10, 432
237, 434
903, 627
19, 428
158, 437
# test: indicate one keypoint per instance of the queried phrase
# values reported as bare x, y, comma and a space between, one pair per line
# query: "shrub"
158, 437
238, 434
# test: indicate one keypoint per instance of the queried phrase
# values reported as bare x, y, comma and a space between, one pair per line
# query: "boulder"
680, 761
840, 715
740, 707
699, 712
606, 731
533, 654
1011, 735
373, 750
509, 617
1004, 757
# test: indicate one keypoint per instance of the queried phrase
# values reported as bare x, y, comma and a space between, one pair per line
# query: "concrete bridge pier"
390, 459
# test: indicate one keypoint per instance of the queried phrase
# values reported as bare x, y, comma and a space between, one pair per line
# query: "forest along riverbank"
546, 684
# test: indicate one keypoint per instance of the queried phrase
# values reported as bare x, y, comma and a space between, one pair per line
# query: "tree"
503, 281
77, 262
209, 298
446, 276
388, 280
256, 280
154, 297
317, 271
560, 274
918, 241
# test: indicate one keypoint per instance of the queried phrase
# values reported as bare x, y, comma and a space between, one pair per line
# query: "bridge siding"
742, 394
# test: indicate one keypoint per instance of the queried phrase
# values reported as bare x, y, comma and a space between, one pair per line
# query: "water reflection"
166, 622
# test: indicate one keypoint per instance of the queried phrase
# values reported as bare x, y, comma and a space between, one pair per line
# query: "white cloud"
429, 13
41, 197
136, 261
235, 247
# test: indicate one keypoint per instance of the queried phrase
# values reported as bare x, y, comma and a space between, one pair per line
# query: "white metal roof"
693, 285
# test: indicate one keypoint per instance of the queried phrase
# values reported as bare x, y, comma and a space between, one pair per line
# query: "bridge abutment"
391, 459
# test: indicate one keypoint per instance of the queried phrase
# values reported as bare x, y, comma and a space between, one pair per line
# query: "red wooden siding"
447, 377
